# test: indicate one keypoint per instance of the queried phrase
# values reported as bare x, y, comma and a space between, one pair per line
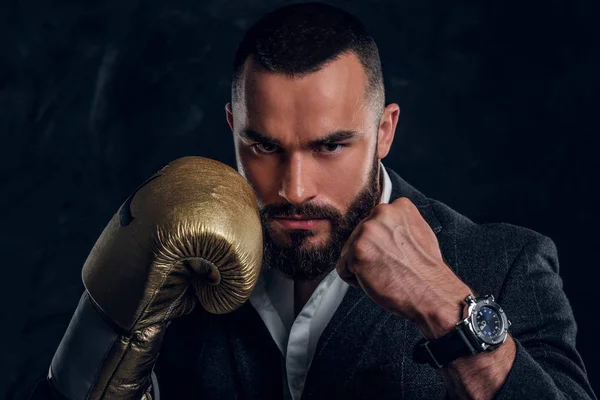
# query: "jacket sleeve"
44, 391
547, 364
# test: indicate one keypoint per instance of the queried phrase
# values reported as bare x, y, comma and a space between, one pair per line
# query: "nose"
297, 184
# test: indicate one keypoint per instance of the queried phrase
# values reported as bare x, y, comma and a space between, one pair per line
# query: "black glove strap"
439, 352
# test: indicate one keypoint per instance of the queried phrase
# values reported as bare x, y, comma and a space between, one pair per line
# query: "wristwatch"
484, 329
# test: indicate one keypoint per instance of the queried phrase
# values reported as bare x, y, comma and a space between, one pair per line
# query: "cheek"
343, 178
260, 174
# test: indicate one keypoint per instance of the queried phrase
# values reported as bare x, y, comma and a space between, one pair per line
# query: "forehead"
331, 98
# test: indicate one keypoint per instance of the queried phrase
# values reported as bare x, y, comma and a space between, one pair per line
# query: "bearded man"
368, 288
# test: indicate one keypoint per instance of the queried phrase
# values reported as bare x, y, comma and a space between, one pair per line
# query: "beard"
302, 262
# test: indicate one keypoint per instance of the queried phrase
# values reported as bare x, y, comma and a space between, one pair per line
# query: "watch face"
489, 322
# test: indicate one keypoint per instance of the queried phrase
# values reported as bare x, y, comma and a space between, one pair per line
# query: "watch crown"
492, 298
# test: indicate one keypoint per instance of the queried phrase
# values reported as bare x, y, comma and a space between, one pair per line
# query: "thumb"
345, 273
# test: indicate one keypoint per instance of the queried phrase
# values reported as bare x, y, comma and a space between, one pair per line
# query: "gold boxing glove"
191, 232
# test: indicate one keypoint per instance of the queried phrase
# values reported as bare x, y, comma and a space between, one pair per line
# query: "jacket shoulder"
487, 234
482, 254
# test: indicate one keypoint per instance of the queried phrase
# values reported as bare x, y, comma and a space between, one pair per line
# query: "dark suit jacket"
366, 352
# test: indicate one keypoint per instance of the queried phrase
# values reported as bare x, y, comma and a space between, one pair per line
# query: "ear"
229, 115
387, 129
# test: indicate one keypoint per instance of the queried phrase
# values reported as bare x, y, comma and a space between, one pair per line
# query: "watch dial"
489, 321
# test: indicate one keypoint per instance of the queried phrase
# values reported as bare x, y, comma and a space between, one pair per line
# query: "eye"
265, 148
331, 148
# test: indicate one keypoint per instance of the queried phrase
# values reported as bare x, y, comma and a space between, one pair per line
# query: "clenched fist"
394, 256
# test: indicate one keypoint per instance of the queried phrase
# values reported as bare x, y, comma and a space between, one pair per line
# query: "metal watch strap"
439, 352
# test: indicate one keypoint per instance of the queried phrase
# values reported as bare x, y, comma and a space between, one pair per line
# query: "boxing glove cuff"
82, 352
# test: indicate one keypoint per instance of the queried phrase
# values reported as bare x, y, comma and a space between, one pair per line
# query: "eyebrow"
332, 137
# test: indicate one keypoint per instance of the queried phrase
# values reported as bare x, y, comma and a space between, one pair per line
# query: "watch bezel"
487, 301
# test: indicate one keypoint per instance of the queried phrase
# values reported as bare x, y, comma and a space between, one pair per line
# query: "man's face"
308, 146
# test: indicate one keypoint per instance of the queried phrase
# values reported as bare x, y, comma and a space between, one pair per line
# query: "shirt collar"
386, 187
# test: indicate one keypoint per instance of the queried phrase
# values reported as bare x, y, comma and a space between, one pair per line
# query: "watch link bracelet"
484, 329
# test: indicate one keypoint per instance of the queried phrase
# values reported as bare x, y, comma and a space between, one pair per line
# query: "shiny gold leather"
191, 232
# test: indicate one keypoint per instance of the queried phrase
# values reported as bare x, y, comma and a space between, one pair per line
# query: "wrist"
483, 328
439, 318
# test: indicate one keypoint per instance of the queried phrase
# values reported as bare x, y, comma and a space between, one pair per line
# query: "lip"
299, 223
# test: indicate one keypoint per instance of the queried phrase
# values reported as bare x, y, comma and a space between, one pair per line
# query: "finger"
352, 281
345, 274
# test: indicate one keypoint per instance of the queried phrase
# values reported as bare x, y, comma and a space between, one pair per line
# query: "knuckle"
362, 249
368, 228
382, 210
377, 210
406, 206
405, 202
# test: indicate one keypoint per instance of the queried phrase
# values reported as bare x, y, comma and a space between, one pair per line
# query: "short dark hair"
302, 38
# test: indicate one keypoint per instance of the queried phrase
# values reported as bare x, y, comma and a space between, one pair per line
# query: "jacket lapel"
255, 355
341, 344
401, 188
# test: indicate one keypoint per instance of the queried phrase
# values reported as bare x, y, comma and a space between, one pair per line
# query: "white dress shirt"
273, 299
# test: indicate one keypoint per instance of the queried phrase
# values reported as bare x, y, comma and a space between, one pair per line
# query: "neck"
302, 292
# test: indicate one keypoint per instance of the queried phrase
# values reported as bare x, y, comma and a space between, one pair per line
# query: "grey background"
498, 120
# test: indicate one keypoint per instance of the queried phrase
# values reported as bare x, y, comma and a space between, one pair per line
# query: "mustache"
309, 210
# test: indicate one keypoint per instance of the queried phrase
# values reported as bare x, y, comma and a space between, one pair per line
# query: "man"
364, 278
310, 128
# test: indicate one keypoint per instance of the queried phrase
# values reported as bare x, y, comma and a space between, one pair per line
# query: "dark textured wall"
499, 112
